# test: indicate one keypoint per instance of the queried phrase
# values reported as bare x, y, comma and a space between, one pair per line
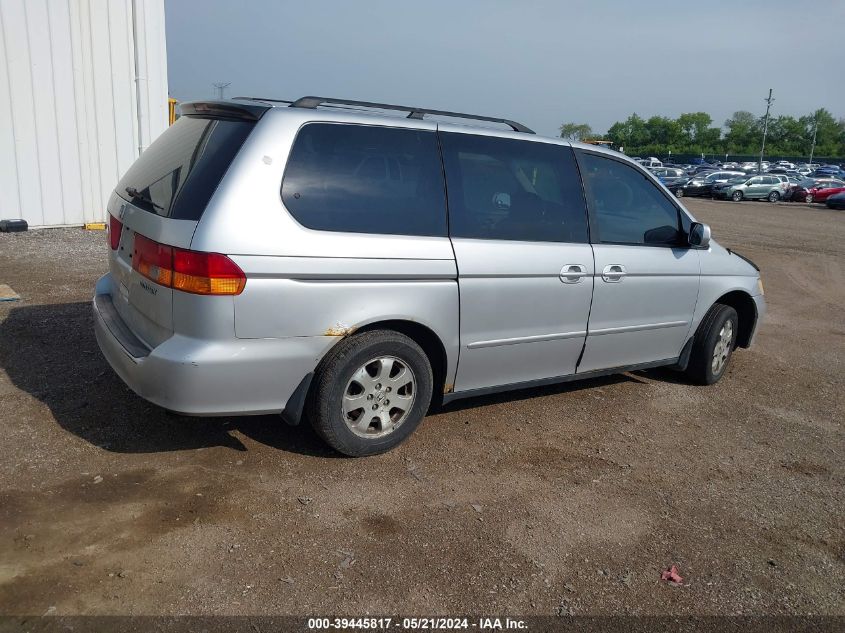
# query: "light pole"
769, 102
221, 86
815, 129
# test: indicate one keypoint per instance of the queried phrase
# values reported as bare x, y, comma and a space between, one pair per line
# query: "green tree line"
741, 134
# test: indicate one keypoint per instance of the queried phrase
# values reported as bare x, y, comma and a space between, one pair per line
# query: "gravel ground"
568, 499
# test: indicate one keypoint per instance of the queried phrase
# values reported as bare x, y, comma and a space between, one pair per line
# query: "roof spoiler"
224, 109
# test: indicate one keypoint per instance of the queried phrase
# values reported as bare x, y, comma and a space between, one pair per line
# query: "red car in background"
823, 191
817, 191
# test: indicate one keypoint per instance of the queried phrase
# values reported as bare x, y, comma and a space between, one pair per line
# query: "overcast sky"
541, 62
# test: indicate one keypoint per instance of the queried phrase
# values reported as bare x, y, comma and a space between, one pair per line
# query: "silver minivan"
329, 260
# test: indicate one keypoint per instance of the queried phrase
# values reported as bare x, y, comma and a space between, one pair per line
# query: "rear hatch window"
176, 176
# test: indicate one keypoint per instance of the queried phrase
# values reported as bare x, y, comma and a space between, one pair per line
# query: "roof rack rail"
413, 113
266, 99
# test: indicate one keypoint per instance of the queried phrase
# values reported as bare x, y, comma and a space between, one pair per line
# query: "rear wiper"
143, 198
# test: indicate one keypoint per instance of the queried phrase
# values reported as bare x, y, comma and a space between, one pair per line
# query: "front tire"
736, 196
679, 193
370, 393
808, 198
713, 345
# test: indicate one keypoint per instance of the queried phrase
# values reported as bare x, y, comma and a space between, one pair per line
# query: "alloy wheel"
379, 397
723, 347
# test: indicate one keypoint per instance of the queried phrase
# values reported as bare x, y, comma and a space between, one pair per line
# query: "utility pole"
221, 86
769, 102
815, 129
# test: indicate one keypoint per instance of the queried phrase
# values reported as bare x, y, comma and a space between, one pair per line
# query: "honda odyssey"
331, 261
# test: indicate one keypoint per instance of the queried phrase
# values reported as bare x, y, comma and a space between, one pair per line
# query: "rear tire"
713, 345
736, 196
774, 196
370, 369
679, 193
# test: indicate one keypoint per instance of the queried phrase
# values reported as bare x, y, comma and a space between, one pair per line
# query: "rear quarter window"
366, 179
176, 176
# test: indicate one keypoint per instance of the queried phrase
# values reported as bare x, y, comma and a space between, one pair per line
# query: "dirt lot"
563, 499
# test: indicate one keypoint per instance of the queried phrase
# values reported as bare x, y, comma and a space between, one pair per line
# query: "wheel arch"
746, 310
430, 343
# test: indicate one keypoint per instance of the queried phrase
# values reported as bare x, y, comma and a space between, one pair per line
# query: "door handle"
613, 273
573, 273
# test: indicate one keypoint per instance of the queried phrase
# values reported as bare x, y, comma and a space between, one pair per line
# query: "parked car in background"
836, 201
650, 162
823, 190
702, 169
828, 171
794, 183
331, 265
702, 185
799, 192
753, 188
784, 183
670, 176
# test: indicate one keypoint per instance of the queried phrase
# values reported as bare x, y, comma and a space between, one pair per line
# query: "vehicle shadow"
50, 352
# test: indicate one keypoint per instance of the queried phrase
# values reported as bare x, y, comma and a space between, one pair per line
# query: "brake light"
188, 271
115, 228
206, 273
153, 260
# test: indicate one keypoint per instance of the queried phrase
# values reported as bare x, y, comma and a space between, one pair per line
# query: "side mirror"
699, 235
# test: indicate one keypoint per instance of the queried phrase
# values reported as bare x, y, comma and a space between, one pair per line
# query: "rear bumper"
208, 378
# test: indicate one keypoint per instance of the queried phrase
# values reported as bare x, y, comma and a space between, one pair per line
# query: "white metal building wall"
83, 89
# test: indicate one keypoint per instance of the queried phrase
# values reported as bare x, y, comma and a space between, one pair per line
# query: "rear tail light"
115, 228
153, 260
188, 271
206, 273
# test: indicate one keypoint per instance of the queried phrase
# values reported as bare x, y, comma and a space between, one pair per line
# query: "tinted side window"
366, 179
507, 189
627, 207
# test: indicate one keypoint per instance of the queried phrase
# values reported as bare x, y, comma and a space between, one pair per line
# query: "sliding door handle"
613, 273
573, 273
